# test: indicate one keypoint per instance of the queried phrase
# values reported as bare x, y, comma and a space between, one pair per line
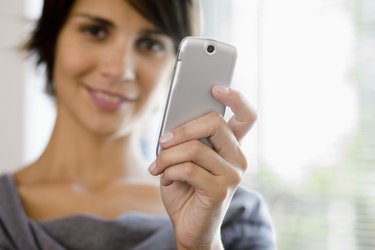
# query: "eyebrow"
96, 19
107, 23
153, 32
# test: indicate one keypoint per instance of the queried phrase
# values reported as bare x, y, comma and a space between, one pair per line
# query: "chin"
111, 131
113, 125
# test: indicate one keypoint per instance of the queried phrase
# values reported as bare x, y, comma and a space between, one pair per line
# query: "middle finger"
211, 126
192, 151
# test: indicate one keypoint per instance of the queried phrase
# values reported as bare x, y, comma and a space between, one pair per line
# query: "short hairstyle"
176, 18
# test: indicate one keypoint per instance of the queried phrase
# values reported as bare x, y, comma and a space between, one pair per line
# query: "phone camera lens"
210, 49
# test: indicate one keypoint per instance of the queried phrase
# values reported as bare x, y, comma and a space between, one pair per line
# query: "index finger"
244, 115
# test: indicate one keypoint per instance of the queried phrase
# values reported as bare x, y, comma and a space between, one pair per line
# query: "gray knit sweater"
246, 226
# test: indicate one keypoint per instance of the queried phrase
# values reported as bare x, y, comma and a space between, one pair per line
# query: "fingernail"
166, 138
152, 167
222, 90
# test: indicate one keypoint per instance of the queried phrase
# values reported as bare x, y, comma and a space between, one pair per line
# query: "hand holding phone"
201, 63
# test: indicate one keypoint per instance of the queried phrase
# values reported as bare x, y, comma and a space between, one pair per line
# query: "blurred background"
307, 66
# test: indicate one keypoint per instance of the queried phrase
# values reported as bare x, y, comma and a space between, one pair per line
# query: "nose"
119, 65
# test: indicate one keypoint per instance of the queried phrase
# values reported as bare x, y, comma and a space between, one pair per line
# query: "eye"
151, 45
95, 31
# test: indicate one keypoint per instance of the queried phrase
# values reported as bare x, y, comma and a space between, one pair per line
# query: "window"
308, 66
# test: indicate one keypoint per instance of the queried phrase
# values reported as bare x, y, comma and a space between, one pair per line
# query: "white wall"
11, 84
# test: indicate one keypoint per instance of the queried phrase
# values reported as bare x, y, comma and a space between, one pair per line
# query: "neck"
80, 156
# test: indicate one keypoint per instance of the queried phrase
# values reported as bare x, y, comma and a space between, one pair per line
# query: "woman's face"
110, 62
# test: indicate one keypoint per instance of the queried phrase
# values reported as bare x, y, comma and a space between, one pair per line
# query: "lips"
107, 97
107, 100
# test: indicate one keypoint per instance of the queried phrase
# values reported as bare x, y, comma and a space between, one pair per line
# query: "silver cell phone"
201, 63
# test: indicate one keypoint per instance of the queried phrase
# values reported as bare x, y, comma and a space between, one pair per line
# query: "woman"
91, 189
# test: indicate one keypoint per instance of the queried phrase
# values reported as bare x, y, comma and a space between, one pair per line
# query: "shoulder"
7, 192
16, 231
9, 202
7, 211
247, 224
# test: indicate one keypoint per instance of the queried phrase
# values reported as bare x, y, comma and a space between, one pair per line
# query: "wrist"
216, 244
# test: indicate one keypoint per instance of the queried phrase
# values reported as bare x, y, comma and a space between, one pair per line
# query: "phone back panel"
196, 71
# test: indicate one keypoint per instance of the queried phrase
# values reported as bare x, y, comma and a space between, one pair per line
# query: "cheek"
72, 60
156, 76
154, 80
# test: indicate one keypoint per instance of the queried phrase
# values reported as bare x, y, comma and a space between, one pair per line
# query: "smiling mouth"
107, 97
108, 101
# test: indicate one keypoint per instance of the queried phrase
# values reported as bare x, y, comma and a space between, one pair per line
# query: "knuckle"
161, 159
195, 147
222, 192
217, 119
181, 132
252, 117
236, 171
189, 170
237, 95
235, 178
167, 174
242, 161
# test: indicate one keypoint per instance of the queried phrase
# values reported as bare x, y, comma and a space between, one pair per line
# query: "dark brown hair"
175, 18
